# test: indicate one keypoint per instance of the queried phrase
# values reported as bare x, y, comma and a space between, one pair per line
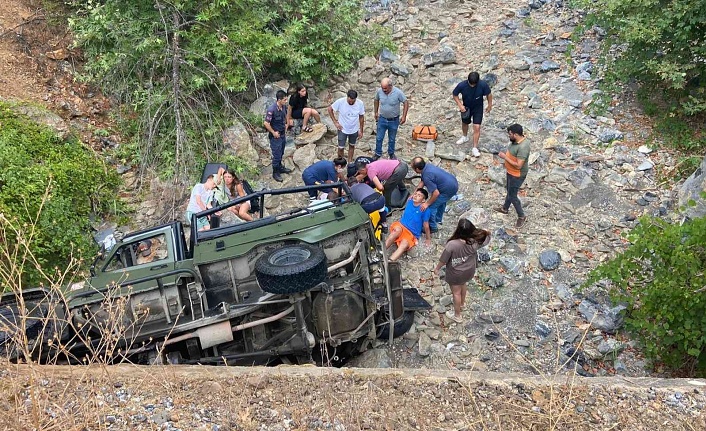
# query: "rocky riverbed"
591, 176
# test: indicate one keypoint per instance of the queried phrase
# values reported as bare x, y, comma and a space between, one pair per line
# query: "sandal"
307, 129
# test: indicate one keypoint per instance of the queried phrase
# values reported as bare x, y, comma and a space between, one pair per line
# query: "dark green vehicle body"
309, 284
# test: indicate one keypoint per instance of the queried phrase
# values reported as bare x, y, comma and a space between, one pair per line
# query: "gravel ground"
307, 398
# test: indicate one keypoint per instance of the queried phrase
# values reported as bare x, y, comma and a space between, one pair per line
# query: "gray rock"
549, 65
549, 260
373, 358
523, 12
444, 55
238, 142
584, 76
491, 334
46, 118
586, 67
535, 102
645, 166
511, 264
601, 317
491, 79
610, 135
542, 328
497, 174
495, 281
446, 300
564, 293
399, 69
534, 4
610, 346
424, 344
518, 65
387, 56
691, 193
506, 32
461, 207
491, 63
415, 51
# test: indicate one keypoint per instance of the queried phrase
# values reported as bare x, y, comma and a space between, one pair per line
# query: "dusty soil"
301, 398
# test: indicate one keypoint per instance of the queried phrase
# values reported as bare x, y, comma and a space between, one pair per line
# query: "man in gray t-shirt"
387, 114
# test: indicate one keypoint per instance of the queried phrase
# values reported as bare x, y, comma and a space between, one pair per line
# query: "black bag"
399, 197
254, 202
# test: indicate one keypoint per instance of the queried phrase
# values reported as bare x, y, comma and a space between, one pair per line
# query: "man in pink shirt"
384, 174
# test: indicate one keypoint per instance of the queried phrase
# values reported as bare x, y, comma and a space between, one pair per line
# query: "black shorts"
298, 114
476, 115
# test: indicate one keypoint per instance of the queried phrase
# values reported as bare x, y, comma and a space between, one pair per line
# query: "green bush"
178, 66
56, 182
661, 276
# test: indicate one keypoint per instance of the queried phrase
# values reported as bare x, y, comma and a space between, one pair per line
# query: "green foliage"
662, 278
177, 65
35, 162
661, 45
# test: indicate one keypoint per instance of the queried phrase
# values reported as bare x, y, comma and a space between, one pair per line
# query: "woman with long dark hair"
460, 256
299, 110
228, 187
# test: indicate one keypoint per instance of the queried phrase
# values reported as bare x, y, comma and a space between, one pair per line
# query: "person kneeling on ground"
369, 199
324, 171
460, 256
408, 229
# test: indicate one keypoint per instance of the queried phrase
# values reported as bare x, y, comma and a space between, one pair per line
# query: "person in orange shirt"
516, 165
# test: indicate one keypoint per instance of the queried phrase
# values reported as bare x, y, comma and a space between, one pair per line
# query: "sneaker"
384, 228
462, 140
520, 222
376, 157
501, 210
475, 152
451, 315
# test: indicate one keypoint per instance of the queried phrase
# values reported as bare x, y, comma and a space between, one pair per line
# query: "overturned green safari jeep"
309, 285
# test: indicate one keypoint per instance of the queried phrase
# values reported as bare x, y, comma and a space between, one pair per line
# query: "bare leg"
476, 135
243, 212
464, 129
458, 295
401, 248
340, 152
305, 120
351, 151
315, 114
392, 237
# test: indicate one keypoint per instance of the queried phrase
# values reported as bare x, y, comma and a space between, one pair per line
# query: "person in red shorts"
408, 229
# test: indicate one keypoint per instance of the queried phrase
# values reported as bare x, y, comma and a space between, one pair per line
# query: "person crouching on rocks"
460, 256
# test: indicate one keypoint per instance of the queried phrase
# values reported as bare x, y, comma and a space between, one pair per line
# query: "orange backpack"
424, 133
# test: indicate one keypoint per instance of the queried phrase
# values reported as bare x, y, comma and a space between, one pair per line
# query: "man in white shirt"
350, 122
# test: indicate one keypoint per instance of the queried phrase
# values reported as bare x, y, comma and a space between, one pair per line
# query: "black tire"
11, 324
402, 325
291, 269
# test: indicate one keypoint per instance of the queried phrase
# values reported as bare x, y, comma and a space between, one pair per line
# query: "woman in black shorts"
299, 110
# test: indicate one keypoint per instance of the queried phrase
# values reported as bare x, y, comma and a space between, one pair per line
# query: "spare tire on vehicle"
291, 269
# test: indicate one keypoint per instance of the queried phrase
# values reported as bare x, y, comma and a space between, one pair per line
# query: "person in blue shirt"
441, 185
276, 125
324, 171
406, 232
472, 92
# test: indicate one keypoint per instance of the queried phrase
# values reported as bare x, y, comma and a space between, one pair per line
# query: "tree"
178, 65
49, 187
661, 277
659, 43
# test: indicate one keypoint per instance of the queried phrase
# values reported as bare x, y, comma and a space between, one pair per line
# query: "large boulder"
318, 132
238, 142
691, 190
46, 118
304, 156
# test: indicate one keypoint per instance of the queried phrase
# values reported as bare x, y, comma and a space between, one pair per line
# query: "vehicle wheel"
291, 269
10, 324
402, 325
